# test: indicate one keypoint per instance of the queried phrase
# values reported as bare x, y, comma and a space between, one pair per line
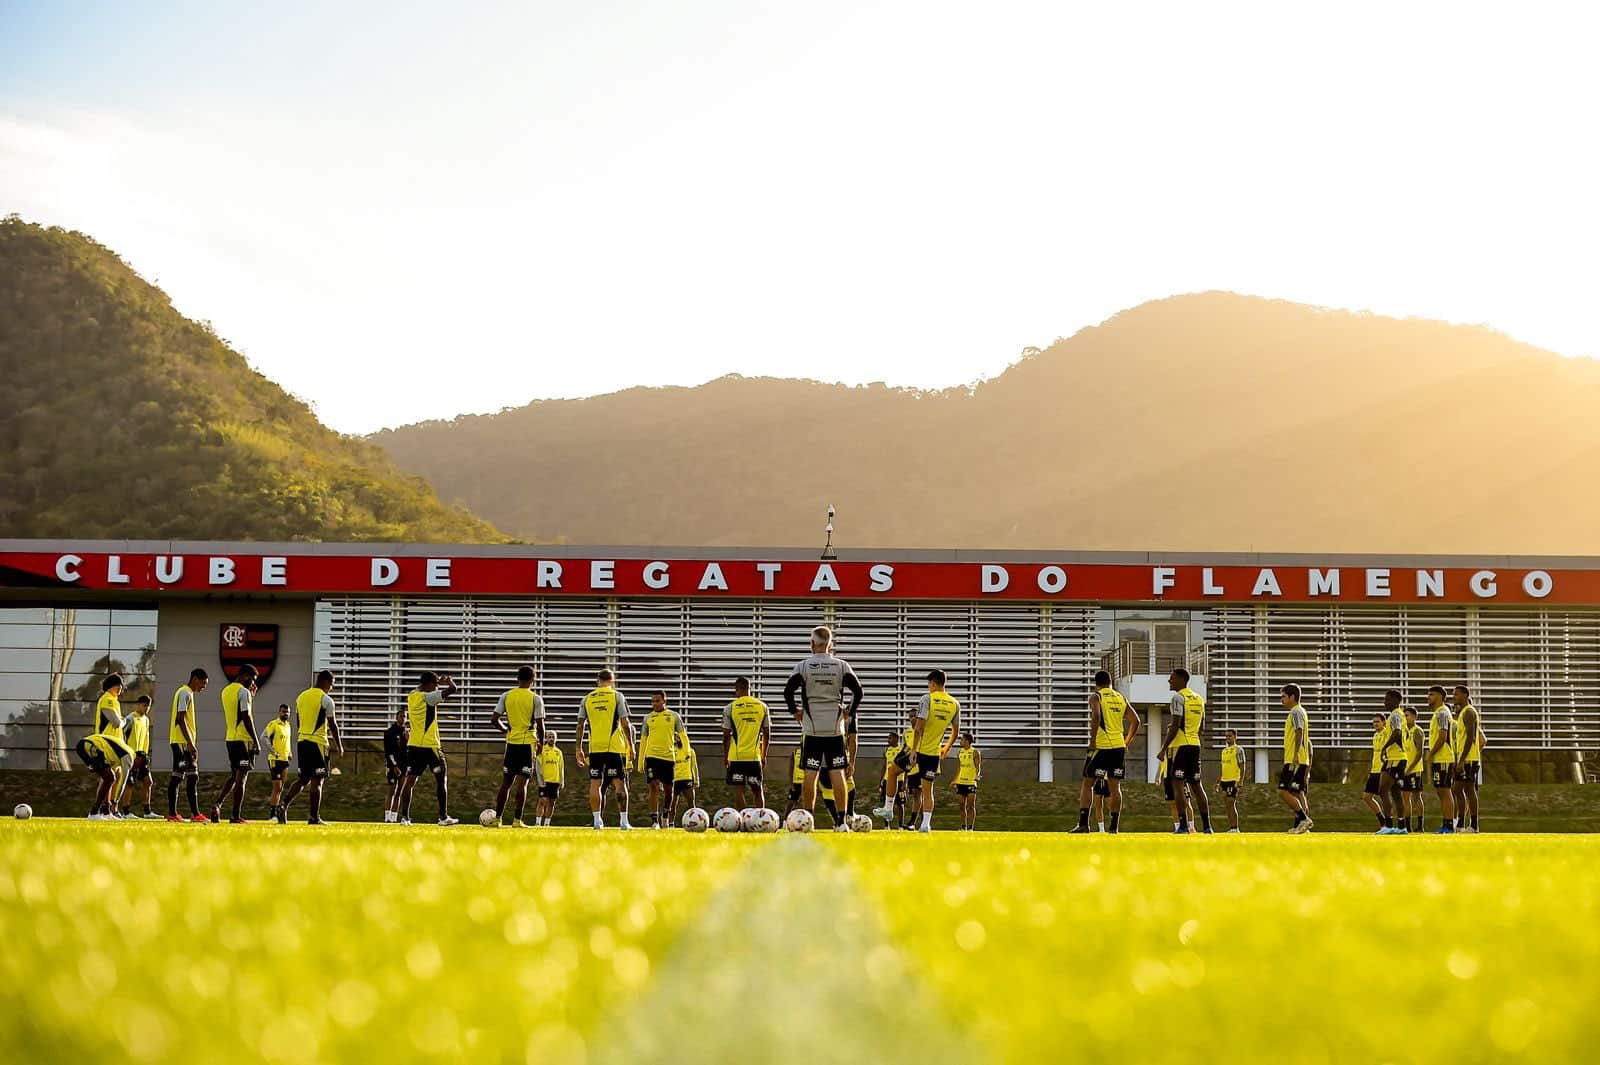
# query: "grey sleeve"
247, 701
186, 701
727, 717
922, 708
327, 703
1175, 706
622, 705
1297, 717
538, 707
500, 706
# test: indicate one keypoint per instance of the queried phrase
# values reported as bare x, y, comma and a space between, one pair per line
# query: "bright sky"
408, 214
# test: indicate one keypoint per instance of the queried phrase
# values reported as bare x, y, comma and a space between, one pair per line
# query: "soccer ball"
23, 811
727, 820
768, 822
750, 819
696, 820
489, 819
859, 823
800, 821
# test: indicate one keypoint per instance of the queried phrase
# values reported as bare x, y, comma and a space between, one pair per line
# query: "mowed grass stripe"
788, 961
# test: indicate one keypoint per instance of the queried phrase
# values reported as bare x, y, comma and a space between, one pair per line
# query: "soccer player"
1411, 782
898, 772
686, 781
423, 751
1442, 753
394, 762
821, 682
603, 728
108, 722
969, 770
137, 728
98, 753
1187, 713
1296, 771
1102, 793
1169, 789
1394, 765
1469, 758
746, 731
797, 780
663, 728
276, 737
241, 739
552, 773
935, 732
1232, 774
890, 749
825, 785
1374, 786
183, 736
1112, 726
319, 726
519, 716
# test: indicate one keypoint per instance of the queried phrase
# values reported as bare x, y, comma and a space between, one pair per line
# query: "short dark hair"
1394, 693
428, 677
143, 700
1102, 679
1463, 689
283, 706
969, 734
246, 672
114, 680
936, 676
741, 684
524, 674
1440, 689
1182, 674
1291, 690
324, 676
199, 674
604, 675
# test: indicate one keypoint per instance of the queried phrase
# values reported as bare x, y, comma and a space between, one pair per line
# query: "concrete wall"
187, 635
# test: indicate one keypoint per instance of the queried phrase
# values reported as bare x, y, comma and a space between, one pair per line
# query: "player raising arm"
423, 751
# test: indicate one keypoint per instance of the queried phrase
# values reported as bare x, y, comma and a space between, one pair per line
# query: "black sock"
172, 795
1299, 815
1205, 821
1474, 822
1419, 822
1083, 817
1116, 816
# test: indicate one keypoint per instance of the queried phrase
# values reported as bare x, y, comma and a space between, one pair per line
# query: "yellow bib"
1194, 715
1113, 709
605, 729
967, 766
1230, 763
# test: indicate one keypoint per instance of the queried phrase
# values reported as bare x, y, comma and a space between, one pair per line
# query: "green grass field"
153, 942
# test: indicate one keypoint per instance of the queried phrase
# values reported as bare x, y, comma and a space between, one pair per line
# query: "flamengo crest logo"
242, 642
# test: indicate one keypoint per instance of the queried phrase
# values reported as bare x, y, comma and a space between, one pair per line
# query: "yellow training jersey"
183, 701
937, 713
1414, 748
519, 705
422, 713
1230, 763
107, 714
138, 730
276, 737
744, 719
552, 767
1471, 748
1108, 735
1440, 725
687, 766
606, 734
1292, 755
1394, 738
311, 707
661, 731
1194, 715
797, 775
889, 755
234, 696
967, 762
1379, 738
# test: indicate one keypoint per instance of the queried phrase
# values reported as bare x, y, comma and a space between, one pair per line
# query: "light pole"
828, 553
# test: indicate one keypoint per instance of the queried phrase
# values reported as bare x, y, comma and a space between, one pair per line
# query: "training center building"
1019, 633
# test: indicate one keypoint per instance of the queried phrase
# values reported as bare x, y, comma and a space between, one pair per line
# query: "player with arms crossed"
519, 716
1296, 771
814, 694
183, 737
319, 726
935, 732
746, 731
424, 753
241, 740
603, 728
1112, 726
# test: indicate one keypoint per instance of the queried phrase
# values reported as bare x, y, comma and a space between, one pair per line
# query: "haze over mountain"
125, 419
1201, 422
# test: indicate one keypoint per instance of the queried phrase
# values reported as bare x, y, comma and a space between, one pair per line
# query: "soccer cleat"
151, 815
403, 821
280, 814
1077, 830
237, 821
200, 819
1401, 830
216, 814
884, 812
1384, 831
447, 821
517, 823
1467, 830
1233, 831
97, 816
174, 817
315, 821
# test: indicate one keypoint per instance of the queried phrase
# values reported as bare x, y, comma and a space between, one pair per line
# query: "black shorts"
823, 753
1442, 774
927, 769
744, 773
659, 769
1469, 772
1373, 780
1167, 788
606, 765
140, 772
1395, 772
1184, 765
681, 786
518, 759
313, 759
394, 771
276, 770
1411, 782
549, 791
420, 760
241, 755
1293, 778
181, 762
966, 789
91, 755
902, 762
1102, 786
794, 792
1105, 763
1230, 788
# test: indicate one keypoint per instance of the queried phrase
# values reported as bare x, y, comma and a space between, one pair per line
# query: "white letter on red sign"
1430, 582
1162, 578
273, 572
1483, 584
712, 579
114, 574
437, 574
602, 576
825, 581
67, 567
882, 578
1208, 582
656, 576
769, 574
169, 568
549, 575
221, 571
995, 579
1266, 584
1052, 579
1537, 584
1323, 583
385, 571
1377, 584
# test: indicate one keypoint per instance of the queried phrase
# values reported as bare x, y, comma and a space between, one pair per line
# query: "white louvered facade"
1017, 668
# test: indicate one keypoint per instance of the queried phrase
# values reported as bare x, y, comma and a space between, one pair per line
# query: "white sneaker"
924, 828
841, 828
97, 817
883, 811
1468, 829
403, 821
1233, 831
446, 822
